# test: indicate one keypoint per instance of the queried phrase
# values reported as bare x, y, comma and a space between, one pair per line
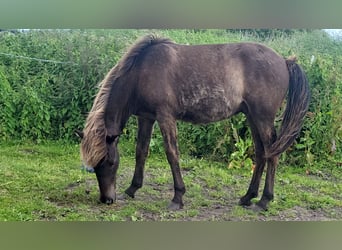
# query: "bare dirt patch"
205, 204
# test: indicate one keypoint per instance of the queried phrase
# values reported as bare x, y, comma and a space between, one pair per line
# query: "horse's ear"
79, 133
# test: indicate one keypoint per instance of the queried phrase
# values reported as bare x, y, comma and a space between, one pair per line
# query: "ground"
47, 183
205, 203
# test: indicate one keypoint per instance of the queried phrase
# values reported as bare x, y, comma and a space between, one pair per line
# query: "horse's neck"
117, 111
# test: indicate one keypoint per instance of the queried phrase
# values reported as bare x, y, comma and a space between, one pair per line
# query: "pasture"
46, 183
48, 81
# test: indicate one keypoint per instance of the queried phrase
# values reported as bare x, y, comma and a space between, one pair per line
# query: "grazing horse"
159, 80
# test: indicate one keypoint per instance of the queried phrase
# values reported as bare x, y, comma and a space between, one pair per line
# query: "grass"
46, 182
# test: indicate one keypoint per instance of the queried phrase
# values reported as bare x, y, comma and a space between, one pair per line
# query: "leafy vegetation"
48, 81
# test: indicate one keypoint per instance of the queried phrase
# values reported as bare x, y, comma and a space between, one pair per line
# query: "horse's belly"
208, 109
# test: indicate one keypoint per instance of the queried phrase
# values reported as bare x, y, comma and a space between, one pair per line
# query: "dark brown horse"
159, 80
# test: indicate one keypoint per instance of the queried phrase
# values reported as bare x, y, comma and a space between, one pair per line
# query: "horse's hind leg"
168, 129
145, 128
252, 191
264, 134
268, 135
267, 194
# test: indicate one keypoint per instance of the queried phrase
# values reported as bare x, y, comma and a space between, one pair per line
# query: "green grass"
46, 182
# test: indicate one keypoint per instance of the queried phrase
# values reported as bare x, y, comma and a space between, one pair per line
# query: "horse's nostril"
106, 200
109, 201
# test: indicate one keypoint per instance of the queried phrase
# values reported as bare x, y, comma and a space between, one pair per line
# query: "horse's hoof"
245, 203
255, 208
262, 206
174, 206
124, 196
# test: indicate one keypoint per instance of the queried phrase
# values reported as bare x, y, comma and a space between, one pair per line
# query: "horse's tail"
295, 111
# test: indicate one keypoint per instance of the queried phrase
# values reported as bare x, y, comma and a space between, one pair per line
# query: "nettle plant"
7, 108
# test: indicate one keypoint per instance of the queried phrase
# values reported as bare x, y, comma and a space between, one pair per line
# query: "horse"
158, 80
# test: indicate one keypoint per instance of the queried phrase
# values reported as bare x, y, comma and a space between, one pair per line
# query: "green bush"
7, 108
49, 79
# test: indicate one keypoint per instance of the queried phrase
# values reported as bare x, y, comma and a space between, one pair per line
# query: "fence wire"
37, 59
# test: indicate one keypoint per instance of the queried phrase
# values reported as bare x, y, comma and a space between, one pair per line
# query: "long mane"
93, 146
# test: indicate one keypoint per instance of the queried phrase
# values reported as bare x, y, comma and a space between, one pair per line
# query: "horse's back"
204, 83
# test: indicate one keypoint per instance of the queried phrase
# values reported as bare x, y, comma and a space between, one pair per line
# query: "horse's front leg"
145, 128
168, 129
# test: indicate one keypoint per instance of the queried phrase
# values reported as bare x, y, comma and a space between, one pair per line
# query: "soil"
225, 212
215, 209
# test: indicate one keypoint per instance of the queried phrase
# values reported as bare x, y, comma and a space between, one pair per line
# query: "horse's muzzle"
108, 200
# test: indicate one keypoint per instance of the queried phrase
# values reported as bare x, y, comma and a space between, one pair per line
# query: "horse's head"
105, 167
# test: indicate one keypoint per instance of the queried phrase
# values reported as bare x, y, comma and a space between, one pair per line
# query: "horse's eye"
110, 138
